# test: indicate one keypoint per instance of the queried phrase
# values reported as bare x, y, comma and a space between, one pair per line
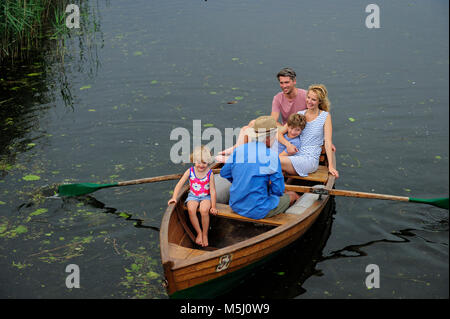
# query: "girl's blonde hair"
322, 94
201, 154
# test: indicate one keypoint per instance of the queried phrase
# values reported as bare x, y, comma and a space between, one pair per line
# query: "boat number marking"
224, 262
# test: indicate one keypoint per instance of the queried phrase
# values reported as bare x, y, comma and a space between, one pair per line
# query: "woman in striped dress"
318, 129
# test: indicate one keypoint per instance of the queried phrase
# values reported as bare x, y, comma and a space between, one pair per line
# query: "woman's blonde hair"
201, 154
322, 94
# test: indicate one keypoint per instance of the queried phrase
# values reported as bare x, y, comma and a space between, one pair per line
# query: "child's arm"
178, 187
212, 191
290, 149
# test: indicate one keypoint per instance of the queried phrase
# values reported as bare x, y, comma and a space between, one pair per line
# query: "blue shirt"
250, 169
294, 141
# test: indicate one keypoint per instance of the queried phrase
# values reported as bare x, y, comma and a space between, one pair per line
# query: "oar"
438, 202
87, 188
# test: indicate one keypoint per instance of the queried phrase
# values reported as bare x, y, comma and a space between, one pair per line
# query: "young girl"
202, 192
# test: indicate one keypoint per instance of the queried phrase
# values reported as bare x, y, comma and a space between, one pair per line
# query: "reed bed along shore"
25, 23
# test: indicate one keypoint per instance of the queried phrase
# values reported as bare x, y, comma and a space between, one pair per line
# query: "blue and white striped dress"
311, 140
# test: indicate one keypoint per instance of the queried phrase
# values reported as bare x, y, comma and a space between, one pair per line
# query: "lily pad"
31, 177
124, 215
351, 119
152, 275
20, 229
39, 211
85, 87
3, 227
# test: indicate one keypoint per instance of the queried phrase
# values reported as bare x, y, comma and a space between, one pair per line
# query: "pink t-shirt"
286, 107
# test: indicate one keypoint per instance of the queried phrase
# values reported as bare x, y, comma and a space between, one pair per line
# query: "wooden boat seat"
321, 175
180, 252
225, 211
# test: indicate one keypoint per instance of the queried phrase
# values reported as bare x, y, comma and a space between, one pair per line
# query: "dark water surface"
106, 114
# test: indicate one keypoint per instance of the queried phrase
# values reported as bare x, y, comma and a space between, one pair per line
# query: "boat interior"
228, 227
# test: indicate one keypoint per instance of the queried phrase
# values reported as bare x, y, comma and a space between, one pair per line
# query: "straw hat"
264, 126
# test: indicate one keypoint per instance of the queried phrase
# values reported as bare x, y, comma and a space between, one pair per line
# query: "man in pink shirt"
290, 100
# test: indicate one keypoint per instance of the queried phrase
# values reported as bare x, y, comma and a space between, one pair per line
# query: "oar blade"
81, 189
438, 202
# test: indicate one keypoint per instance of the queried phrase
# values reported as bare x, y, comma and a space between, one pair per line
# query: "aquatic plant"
24, 24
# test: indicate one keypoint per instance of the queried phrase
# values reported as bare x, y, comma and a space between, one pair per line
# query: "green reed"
24, 23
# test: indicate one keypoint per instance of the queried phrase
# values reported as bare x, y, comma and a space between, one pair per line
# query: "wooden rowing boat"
236, 244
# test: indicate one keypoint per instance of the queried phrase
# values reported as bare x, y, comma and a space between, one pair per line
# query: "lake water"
107, 112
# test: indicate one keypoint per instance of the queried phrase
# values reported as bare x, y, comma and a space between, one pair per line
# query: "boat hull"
202, 271
190, 281
195, 272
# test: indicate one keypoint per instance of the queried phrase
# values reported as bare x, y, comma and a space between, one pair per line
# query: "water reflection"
93, 202
30, 87
356, 250
77, 50
23, 100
